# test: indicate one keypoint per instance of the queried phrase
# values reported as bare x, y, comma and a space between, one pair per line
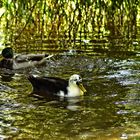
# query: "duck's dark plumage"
48, 85
6, 63
53, 86
7, 52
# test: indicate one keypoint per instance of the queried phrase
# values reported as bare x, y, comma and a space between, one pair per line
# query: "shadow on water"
109, 110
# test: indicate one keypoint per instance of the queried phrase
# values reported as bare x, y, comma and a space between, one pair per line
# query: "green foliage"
71, 19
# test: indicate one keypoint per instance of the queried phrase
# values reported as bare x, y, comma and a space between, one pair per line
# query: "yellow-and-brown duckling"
10, 61
53, 86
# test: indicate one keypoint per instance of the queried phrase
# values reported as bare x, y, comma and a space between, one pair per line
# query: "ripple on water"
108, 110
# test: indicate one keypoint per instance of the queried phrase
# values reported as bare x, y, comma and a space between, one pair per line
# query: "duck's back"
48, 85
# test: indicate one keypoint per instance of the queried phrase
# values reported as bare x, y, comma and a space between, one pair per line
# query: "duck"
55, 86
9, 61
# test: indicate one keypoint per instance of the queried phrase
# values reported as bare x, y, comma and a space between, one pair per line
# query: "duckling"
54, 86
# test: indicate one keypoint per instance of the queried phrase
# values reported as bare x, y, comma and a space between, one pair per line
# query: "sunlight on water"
100, 40
109, 110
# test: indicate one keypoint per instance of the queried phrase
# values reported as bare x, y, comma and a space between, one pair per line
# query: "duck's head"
7, 52
76, 81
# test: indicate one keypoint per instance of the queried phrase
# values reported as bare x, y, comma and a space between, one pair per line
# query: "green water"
109, 110
100, 40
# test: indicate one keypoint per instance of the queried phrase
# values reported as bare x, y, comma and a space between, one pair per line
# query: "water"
109, 110
100, 40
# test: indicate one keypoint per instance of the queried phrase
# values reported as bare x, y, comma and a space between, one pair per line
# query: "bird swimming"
11, 61
53, 86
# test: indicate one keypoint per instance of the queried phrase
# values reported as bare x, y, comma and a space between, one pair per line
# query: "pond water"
100, 40
110, 110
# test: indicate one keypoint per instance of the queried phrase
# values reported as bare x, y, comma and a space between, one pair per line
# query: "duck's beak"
80, 85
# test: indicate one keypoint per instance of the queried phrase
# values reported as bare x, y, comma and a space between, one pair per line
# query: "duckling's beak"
80, 85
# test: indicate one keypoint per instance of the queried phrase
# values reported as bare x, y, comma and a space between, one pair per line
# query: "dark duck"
53, 86
20, 61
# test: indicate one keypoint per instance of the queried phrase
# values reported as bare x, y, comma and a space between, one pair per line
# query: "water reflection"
98, 40
110, 109
6, 75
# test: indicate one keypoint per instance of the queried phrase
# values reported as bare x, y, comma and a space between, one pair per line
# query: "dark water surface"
98, 39
110, 109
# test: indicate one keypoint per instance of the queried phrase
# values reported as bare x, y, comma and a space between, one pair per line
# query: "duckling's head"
75, 81
75, 78
7, 52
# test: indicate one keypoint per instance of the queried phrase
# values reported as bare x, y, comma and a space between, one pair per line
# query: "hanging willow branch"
32, 9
